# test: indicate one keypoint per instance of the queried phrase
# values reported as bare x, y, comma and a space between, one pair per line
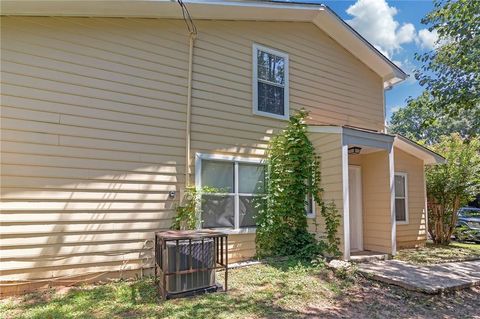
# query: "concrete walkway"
431, 279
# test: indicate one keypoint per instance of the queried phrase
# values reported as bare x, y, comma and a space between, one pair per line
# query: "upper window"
239, 182
401, 198
270, 82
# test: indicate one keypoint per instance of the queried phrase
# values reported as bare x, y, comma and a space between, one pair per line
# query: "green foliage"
293, 171
188, 213
451, 185
418, 121
451, 72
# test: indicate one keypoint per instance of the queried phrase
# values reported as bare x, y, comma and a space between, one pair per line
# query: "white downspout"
189, 109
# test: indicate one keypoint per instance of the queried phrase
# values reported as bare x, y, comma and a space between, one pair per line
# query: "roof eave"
322, 16
429, 157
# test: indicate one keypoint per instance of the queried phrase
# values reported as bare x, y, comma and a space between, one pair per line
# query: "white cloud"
395, 109
398, 63
374, 20
427, 39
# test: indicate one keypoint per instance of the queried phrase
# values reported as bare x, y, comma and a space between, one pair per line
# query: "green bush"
452, 184
293, 172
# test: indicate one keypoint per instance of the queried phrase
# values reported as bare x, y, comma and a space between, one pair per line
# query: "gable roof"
417, 150
320, 15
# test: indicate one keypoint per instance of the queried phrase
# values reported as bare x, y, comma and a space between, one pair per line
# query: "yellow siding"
93, 119
329, 148
377, 224
414, 233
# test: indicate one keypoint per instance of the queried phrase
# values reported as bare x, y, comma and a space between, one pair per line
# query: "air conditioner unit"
186, 261
178, 258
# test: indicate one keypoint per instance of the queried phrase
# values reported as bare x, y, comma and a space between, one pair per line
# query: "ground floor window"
310, 206
238, 183
401, 198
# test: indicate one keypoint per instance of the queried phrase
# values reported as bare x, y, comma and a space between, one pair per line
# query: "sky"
394, 27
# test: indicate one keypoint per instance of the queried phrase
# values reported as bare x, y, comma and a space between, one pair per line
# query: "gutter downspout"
192, 37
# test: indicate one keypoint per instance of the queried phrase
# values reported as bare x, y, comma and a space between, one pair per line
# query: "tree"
451, 72
418, 121
452, 184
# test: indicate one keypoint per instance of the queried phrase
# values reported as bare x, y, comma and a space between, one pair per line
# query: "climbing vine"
188, 212
293, 173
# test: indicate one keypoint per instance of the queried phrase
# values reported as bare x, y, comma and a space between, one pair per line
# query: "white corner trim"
425, 205
346, 204
391, 166
286, 96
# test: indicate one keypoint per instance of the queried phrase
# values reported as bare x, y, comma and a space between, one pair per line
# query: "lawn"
286, 289
434, 254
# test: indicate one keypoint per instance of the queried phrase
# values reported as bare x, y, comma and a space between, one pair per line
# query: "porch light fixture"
354, 150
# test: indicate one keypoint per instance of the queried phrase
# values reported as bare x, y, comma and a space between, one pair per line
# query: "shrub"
452, 184
293, 172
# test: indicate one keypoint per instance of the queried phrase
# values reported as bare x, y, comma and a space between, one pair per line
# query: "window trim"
232, 159
255, 48
406, 221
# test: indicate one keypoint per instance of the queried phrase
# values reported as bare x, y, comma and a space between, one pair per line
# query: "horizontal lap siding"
326, 80
329, 148
377, 223
414, 233
93, 118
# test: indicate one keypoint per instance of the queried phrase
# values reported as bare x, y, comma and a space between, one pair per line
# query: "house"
109, 108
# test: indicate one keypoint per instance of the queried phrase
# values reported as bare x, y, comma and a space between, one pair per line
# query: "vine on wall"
189, 211
293, 173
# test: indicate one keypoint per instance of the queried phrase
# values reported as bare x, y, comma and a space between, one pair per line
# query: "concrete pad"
367, 256
431, 279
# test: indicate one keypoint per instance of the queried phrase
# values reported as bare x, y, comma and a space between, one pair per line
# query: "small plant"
188, 213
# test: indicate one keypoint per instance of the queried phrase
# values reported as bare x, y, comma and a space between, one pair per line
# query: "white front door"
355, 203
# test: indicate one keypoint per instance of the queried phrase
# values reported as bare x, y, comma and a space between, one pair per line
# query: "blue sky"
395, 28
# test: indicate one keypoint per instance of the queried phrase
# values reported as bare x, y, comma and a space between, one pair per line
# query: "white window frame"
255, 48
406, 221
199, 157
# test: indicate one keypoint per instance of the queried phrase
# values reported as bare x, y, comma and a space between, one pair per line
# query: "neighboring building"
96, 126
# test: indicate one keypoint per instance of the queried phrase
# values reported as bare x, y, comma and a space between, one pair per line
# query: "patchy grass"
434, 254
287, 289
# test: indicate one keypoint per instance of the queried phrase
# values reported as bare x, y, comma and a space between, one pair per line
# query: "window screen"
236, 182
271, 75
400, 198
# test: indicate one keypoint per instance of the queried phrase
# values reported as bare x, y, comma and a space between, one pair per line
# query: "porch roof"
353, 135
429, 157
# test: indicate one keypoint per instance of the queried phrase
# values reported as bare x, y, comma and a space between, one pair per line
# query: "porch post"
346, 204
391, 165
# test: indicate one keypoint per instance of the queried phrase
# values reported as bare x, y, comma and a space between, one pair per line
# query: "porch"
359, 173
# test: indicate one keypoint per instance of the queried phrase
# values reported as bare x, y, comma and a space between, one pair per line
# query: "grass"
287, 289
269, 290
434, 254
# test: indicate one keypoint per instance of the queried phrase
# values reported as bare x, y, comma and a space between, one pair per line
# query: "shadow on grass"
277, 289
433, 253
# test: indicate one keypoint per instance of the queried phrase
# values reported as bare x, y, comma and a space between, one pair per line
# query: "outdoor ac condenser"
202, 256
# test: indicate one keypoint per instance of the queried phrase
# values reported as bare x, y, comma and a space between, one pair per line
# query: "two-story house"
110, 107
